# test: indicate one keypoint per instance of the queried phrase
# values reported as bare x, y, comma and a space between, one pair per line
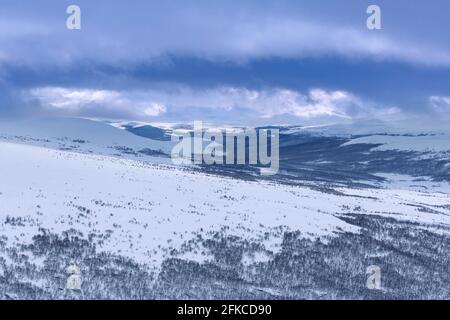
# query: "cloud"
273, 101
258, 104
94, 102
220, 30
440, 104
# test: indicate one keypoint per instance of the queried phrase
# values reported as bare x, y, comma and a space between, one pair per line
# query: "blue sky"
247, 61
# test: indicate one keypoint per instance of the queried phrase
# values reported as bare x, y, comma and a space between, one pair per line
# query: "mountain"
139, 227
82, 135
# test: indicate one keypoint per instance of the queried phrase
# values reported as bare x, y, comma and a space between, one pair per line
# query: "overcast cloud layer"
262, 59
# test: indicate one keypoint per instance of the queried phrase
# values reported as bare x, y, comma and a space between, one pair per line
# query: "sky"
228, 61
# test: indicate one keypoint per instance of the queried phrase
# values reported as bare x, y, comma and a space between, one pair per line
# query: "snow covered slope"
132, 221
81, 135
148, 210
419, 143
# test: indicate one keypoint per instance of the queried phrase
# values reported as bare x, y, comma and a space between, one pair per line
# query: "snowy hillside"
82, 135
126, 220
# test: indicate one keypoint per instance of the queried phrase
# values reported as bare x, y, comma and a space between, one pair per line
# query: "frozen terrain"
81, 192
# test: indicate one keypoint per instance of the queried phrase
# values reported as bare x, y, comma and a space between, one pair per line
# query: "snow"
421, 143
149, 209
421, 184
84, 135
145, 206
67, 174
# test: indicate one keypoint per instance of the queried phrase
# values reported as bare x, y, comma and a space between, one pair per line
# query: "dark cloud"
255, 45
